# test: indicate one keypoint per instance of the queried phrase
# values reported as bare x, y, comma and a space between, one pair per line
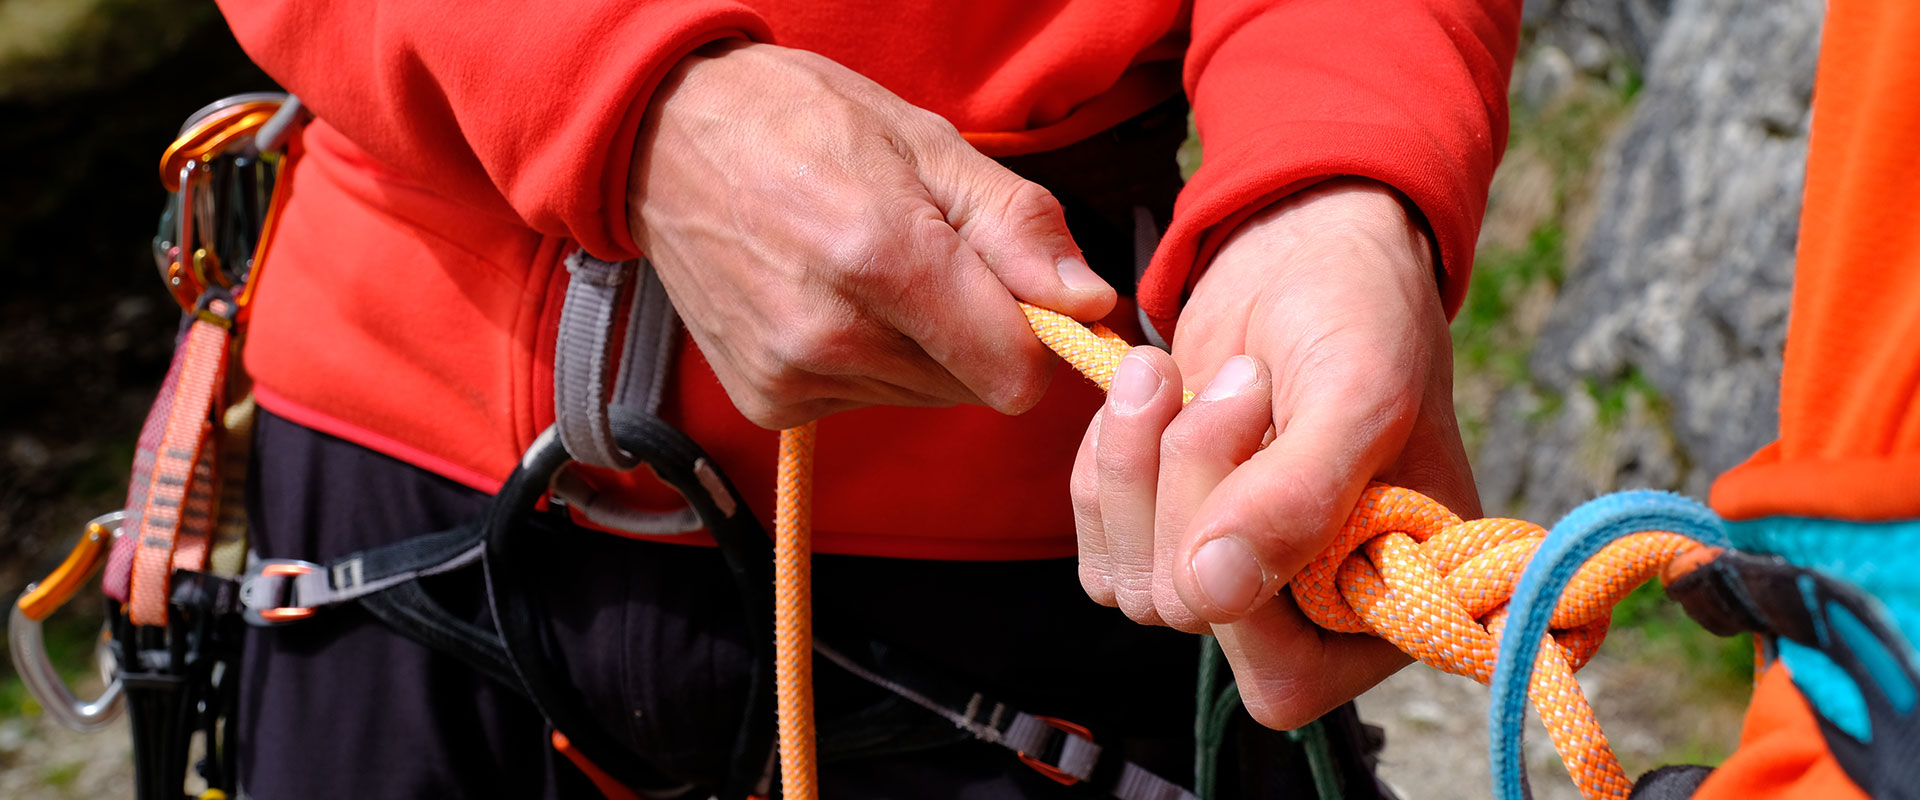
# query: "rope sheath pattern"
793, 613
1402, 568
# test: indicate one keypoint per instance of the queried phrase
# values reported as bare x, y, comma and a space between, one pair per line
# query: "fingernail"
1235, 375
1079, 277
1228, 573
1134, 383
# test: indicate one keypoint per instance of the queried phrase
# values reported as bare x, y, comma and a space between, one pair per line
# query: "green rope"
1312, 737
1217, 703
1213, 710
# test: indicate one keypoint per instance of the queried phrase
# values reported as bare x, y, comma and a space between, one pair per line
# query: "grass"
1665, 634
1482, 331
61, 776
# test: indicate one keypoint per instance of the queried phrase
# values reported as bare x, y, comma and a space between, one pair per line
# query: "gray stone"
1547, 76
1684, 278
1629, 28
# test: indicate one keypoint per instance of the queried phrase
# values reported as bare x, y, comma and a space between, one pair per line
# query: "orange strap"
178, 513
1403, 568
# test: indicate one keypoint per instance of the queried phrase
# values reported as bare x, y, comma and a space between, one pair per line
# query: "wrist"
1346, 210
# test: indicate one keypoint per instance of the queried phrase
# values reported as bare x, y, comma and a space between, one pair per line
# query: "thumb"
1017, 227
1267, 519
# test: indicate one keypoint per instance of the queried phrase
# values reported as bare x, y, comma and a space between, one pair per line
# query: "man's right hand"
831, 245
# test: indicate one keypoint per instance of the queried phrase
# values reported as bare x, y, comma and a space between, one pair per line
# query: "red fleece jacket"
463, 149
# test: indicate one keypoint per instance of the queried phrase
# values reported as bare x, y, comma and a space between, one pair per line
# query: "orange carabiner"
191, 268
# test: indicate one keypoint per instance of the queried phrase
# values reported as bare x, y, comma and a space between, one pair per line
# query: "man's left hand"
1319, 351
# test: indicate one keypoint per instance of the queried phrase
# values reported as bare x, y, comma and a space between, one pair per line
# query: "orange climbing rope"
1402, 568
793, 613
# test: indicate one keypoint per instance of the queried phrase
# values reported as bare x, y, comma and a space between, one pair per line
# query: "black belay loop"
680, 463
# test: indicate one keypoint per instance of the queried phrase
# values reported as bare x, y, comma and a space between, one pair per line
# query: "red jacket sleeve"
1411, 93
526, 108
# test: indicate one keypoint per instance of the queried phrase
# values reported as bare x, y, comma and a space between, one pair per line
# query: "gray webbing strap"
583, 363
1024, 734
580, 357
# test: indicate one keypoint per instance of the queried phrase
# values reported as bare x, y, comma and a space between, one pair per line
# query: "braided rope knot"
1407, 570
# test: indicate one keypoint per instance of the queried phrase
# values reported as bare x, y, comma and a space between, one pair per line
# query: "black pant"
340, 706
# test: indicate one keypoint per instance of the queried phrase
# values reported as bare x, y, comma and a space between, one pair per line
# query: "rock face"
1659, 363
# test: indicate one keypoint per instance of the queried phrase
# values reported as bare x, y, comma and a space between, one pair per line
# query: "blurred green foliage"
50, 48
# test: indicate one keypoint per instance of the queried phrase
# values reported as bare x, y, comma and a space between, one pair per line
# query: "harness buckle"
1051, 771
277, 591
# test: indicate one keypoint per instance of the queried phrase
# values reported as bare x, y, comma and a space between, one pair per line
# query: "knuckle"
1286, 541
855, 255
1084, 489
1094, 581
1115, 465
1028, 202
1174, 611
1133, 592
1181, 440
763, 412
817, 344
1137, 605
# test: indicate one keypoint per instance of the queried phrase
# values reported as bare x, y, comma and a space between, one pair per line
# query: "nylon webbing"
117, 578
1025, 734
580, 358
588, 380
179, 496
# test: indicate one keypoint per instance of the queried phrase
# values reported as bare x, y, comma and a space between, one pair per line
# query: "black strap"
1056, 748
411, 612
519, 613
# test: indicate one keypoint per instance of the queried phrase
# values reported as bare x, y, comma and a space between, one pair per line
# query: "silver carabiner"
29, 649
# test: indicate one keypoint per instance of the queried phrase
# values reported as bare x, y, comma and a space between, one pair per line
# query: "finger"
1088, 530
1279, 509
1290, 672
1144, 398
948, 302
895, 364
1018, 228
1218, 431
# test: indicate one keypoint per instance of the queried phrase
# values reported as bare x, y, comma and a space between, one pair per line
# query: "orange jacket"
1849, 444
463, 149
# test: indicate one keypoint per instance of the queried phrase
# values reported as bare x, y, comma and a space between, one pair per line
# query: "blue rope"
1567, 547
